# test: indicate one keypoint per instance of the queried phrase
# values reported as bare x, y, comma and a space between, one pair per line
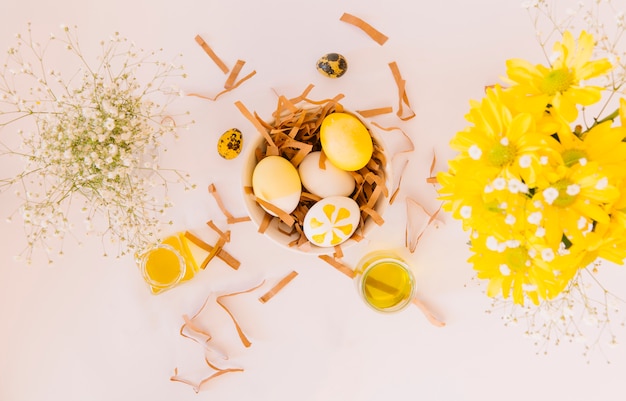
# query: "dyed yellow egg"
230, 143
331, 221
276, 181
346, 141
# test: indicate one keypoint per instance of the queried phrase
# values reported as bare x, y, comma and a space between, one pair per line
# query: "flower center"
571, 156
557, 81
516, 258
501, 155
564, 199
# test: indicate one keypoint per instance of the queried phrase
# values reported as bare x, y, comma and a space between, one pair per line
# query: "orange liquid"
163, 268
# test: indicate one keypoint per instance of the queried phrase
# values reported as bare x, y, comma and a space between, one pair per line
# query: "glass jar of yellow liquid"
167, 264
385, 281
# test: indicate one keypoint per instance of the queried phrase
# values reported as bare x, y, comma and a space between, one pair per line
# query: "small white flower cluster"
604, 19
586, 313
94, 135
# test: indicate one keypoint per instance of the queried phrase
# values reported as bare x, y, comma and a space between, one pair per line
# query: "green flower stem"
610, 117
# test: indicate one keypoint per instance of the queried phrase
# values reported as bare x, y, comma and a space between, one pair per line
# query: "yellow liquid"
387, 284
162, 267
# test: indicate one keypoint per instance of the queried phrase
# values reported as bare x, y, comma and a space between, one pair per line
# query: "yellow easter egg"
346, 141
331, 221
276, 181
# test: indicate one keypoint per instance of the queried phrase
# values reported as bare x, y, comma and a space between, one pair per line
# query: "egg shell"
331, 221
276, 180
346, 141
230, 143
329, 181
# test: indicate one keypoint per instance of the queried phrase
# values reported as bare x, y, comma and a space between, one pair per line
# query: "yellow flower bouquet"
542, 192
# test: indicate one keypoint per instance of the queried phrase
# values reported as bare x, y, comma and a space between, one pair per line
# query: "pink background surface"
87, 328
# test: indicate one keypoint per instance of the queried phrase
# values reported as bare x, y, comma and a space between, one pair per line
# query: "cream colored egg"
330, 181
331, 221
276, 181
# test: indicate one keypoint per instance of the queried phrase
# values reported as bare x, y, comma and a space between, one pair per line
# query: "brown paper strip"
211, 54
377, 36
232, 77
417, 221
397, 190
338, 265
426, 311
403, 99
202, 384
375, 112
224, 235
432, 179
233, 87
246, 113
220, 253
276, 289
242, 336
230, 219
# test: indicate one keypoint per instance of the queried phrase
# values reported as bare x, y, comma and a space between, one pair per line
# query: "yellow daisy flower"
558, 87
502, 144
483, 204
571, 204
602, 144
517, 270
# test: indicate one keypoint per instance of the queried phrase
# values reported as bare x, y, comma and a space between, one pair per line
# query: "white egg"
331, 221
276, 181
330, 181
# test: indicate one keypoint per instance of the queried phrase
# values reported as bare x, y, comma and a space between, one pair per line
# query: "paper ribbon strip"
403, 99
278, 287
377, 36
203, 337
230, 219
417, 221
207, 49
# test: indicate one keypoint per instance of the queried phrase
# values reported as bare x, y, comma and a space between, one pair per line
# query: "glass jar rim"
181, 262
372, 260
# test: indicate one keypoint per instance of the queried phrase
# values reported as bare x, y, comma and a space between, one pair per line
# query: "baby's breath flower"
89, 138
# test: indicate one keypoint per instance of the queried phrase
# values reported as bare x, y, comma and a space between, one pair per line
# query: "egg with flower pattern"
331, 221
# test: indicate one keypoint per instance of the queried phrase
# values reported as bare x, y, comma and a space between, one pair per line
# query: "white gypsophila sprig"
91, 133
604, 19
585, 313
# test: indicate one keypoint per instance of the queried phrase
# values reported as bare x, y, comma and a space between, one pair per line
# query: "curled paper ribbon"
230, 219
191, 329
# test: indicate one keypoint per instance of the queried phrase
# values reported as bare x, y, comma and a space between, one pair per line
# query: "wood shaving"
207, 49
338, 265
417, 221
278, 287
230, 219
377, 36
293, 134
403, 99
